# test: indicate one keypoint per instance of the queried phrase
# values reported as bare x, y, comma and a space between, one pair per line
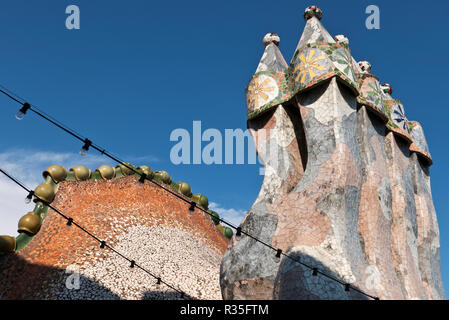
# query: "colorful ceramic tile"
397, 121
313, 11
387, 89
371, 94
320, 61
342, 60
270, 85
365, 66
341, 38
265, 90
419, 144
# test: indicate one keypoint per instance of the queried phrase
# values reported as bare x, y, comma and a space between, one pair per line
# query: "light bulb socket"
85, 147
22, 112
238, 232
29, 197
142, 178
25, 107
278, 253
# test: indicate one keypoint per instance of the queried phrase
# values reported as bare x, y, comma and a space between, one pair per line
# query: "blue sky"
137, 70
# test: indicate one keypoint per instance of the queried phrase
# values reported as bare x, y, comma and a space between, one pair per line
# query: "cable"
103, 244
11, 95
192, 204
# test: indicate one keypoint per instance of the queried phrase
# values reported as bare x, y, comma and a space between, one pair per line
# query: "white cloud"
12, 206
234, 216
27, 166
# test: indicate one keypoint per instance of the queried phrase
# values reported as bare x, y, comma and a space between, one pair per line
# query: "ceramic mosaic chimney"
346, 187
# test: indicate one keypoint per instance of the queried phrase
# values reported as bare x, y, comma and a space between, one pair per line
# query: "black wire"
13, 94
91, 235
116, 159
60, 126
14, 179
10, 96
55, 120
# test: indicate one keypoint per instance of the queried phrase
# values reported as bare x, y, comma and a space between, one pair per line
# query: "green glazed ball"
185, 189
214, 216
126, 171
228, 233
204, 202
162, 176
30, 224
81, 173
44, 192
7, 244
57, 173
106, 172
147, 170
201, 200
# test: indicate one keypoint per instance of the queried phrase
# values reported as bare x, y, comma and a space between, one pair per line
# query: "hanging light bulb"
85, 148
29, 197
22, 112
20, 115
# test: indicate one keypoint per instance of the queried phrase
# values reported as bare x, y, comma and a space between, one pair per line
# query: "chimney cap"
313, 11
271, 38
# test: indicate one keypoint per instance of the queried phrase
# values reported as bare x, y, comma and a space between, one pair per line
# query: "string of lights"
89, 144
103, 244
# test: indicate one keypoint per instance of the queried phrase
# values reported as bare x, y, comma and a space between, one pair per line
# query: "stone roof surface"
144, 222
346, 187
